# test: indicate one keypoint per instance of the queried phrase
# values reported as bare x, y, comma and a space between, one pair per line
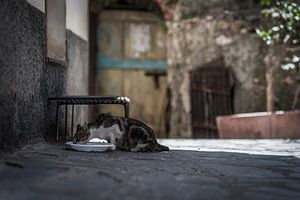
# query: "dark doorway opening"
211, 90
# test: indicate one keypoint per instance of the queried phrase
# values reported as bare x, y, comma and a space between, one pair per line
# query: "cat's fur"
126, 133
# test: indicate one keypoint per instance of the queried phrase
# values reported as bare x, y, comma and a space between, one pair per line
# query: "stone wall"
203, 31
27, 79
203, 34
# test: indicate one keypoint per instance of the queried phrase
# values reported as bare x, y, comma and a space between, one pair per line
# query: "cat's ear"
107, 114
108, 122
78, 127
104, 115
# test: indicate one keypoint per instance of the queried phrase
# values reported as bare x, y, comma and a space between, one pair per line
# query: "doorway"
211, 90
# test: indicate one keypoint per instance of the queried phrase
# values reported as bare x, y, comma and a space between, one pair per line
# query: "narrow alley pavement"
192, 169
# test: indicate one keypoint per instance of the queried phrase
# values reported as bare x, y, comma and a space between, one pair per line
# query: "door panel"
148, 102
109, 39
138, 40
131, 44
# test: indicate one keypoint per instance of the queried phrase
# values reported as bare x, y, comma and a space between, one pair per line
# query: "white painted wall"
76, 16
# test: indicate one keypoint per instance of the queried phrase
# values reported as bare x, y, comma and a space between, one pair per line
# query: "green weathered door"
131, 61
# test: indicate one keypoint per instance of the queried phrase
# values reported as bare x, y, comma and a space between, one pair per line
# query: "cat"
126, 133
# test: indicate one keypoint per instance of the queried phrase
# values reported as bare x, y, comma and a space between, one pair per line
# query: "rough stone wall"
27, 79
174, 10
204, 35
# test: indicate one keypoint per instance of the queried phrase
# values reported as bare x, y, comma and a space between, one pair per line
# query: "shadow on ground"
47, 171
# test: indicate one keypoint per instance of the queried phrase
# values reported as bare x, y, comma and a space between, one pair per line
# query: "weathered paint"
142, 38
109, 39
118, 63
133, 35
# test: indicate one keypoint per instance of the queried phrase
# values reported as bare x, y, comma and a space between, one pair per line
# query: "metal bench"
85, 100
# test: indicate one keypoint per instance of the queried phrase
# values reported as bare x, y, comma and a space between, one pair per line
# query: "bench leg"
66, 121
72, 122
126, 108
57, 110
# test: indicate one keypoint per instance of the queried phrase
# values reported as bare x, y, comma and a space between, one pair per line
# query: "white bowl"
91, 147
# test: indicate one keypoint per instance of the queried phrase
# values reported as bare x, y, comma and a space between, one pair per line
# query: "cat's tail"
162, 147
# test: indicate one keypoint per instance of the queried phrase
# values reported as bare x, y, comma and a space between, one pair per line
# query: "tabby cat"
126, 133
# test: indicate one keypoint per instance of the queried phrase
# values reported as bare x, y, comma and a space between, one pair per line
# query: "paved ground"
275, 147
46, 171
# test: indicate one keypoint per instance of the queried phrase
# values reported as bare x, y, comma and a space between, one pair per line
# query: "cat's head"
82, 133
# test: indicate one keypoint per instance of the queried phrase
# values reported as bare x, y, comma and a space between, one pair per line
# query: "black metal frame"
85, 100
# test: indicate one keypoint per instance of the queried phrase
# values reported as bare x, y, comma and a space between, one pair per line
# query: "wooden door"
211, 96
131, 62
